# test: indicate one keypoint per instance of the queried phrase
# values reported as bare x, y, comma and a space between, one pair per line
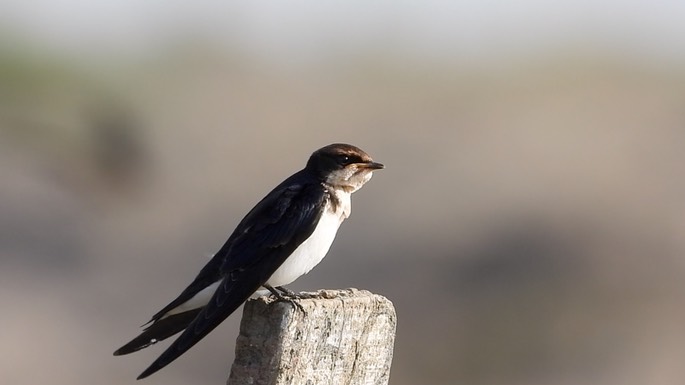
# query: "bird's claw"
292, 301
284, 294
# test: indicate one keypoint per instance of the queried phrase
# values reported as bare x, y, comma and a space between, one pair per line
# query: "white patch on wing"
314, 248
198, 300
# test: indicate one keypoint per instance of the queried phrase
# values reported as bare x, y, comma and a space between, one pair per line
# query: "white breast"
314, 248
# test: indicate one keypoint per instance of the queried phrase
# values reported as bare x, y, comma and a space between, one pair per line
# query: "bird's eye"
344, 159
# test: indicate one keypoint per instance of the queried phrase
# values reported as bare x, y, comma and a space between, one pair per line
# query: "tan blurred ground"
529, 226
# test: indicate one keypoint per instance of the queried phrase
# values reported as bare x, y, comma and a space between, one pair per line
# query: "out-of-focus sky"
528, 227
290, 31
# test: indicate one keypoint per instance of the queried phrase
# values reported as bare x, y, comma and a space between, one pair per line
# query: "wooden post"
343, 337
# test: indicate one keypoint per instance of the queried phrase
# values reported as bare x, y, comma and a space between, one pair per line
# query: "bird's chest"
313, 249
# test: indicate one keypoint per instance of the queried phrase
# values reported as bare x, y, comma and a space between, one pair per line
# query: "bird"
282, 238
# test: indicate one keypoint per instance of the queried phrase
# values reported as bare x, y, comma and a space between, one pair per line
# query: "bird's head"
343, 166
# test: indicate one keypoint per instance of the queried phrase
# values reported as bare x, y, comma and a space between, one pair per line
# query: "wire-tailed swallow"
282, 238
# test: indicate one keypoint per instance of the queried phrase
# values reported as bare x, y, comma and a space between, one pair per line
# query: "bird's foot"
302, 295
287, 291
284, 294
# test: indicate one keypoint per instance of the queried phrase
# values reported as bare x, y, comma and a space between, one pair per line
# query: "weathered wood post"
342, 337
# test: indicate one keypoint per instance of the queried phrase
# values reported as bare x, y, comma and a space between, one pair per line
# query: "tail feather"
158, 331
228, 297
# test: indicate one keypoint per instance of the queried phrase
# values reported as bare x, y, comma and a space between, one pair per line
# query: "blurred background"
529, 227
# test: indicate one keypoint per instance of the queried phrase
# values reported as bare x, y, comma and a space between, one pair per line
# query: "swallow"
282, 238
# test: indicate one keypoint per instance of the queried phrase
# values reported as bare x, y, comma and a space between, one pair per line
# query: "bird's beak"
371, 165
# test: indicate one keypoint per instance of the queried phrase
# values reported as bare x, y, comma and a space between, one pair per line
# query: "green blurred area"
529, 226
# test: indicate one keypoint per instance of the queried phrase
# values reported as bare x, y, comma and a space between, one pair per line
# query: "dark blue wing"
279, 223
259, 245
209, 274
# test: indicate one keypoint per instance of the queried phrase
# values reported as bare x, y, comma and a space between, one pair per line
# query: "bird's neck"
339, 199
